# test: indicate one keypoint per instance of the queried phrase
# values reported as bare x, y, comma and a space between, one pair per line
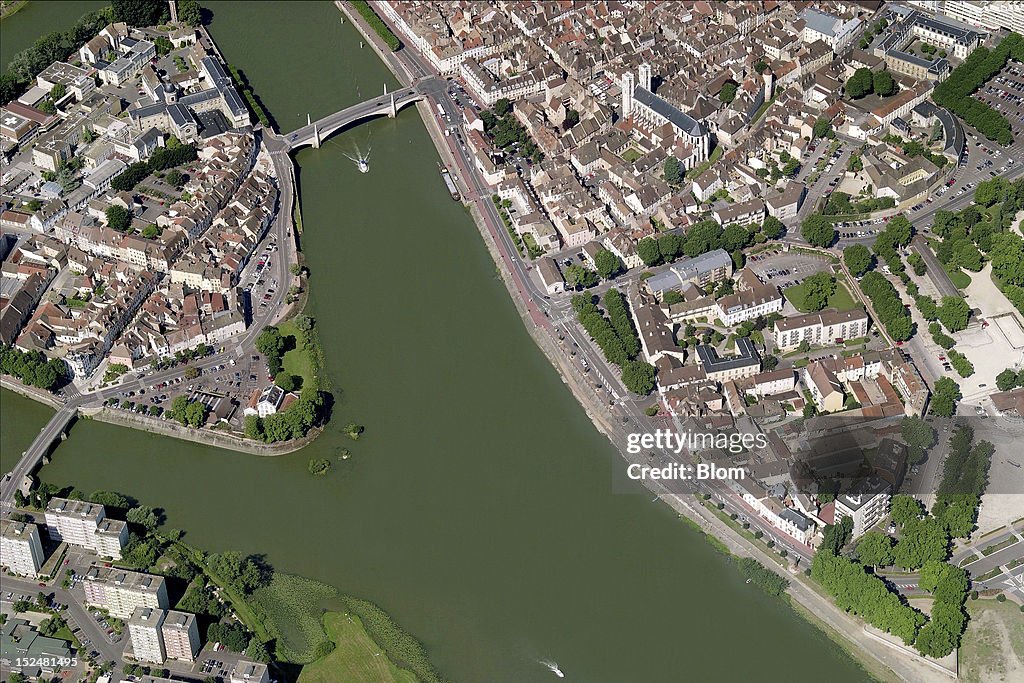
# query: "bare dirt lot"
993, 646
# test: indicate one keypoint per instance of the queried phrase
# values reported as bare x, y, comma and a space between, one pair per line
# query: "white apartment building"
867, 506
987, 14
21, 551
85, 524
121, 592
145, 633
820, 328
753, 300
181, 636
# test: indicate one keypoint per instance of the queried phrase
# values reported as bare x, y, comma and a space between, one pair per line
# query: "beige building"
120, 591
145, 632
825, 388
181, 636
21, 551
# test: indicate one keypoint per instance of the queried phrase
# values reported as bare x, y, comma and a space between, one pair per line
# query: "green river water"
477, 509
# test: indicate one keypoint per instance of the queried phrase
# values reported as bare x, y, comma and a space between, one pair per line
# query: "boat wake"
552, 667
362, 161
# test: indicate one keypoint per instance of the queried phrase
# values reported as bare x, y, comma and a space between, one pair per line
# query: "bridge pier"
392, 111
316, 133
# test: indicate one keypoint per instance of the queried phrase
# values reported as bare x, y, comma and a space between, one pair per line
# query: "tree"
502, 107
670, 246
760, 66
772, 227
836, 535
921, 539
735, 237
919, 436
883, 84
673, 171
151, 231
904, 508
702, 238
189, 12
822, 128
270, 343
318, 467
576, 276
647, 249
140, 13
875, 549
728, 92
638, 377
954, 313
818, 231
608, 264
818, 288
110, 499
118, 218
572, 117
175, 178
945, 397
144, 516
287, 381
257, 651
899, 230
858, 259
191, 372
1006, 380
859, 84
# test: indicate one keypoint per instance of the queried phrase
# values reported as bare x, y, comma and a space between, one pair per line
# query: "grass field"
840, 299
296, 361
291, 609
993, 646
356, 657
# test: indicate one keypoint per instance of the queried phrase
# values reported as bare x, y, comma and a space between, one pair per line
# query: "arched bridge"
387, 104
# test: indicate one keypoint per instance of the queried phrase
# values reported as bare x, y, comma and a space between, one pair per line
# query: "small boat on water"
553, 668
363, 166
362, 161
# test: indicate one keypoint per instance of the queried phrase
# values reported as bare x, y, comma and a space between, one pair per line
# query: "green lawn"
840, 299
630, 155
960, 279
297, 361
993, 646
356, 657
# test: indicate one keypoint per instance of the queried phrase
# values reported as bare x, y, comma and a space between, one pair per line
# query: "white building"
266, 402
21, 551
828, 28
820, 328
987, 14
85, 524
866, 507
145, 633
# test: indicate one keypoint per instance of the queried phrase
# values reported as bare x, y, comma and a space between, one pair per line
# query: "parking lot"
786, 269
1005, 93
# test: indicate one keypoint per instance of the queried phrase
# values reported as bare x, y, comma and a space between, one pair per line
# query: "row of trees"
33, 368
703, 237
888, 306
864, 82
866, 595
190, 413
617, 338
964, 478
955, 92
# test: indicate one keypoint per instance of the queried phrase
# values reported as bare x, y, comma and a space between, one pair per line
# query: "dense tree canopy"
818, 231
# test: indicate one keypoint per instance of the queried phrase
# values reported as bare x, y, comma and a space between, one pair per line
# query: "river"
478, 507
38, 18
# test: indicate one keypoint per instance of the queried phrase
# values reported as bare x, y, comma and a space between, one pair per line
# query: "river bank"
882, 660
